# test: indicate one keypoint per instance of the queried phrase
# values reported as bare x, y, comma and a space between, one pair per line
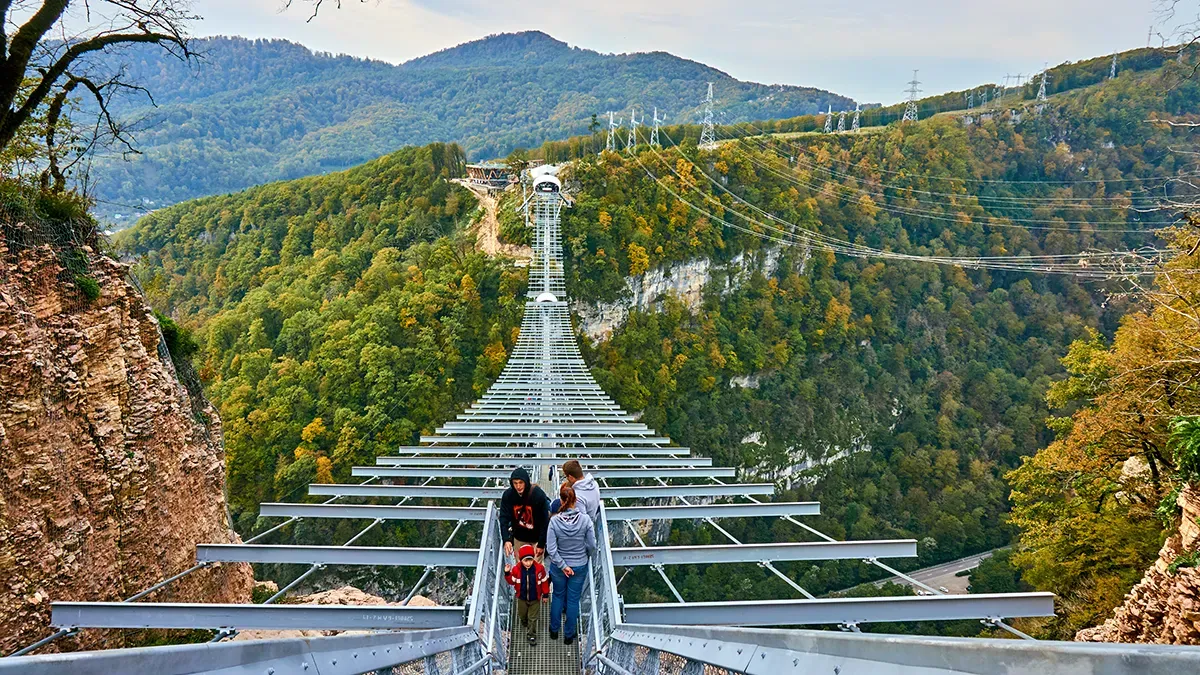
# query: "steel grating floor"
547, 657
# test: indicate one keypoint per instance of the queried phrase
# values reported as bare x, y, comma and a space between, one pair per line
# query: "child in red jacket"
533, 587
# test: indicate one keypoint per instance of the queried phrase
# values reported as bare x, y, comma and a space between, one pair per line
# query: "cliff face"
1164, 607
686, 281
108, 479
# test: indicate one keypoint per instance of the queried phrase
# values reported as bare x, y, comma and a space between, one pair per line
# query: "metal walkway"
543, 409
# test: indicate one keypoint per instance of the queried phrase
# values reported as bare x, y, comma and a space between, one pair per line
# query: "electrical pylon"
631, 139
708, 137
829, 120
842, 122
611, 144
910, 110
1112, 72
1041, 95
654, 131
857, 113
970, 96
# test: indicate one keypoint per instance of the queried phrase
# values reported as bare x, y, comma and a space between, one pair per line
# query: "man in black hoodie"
524, 514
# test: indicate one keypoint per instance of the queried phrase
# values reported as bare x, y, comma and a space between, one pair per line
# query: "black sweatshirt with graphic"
524, 516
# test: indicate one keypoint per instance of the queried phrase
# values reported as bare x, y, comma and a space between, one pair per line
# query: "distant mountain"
253, 111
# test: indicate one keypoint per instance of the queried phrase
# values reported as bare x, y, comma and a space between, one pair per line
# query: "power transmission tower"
631, 139
857, 113
842, 122
708, 137
1041, 95
970, 96
829, 120
1112, 72
910, 110
611, 144
654, 131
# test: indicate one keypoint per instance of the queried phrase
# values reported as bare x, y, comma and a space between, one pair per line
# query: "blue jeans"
567, 591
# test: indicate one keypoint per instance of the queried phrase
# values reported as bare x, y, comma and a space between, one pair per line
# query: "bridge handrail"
490, 603
356, 653
603, 613
765, 651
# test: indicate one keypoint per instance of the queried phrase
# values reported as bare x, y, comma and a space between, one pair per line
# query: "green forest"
251, 111
340, 316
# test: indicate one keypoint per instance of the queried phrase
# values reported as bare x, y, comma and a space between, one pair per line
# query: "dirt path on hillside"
487, 230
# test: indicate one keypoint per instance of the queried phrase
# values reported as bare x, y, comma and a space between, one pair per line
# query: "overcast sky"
865, 49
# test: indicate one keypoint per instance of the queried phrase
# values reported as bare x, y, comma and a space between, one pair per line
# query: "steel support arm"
736, 553
339, 655
843, 610
468, 492
335, 555
589, 464
242, 617
369, 511
711, 510
663, 472
452, 450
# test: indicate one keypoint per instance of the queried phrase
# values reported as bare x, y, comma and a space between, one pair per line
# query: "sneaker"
569, 641
532, 639
553, 635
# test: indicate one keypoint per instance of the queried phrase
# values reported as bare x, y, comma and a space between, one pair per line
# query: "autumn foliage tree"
1088, 505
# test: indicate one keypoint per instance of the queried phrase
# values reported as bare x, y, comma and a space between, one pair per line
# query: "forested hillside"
340, 316
253, 111
934, 380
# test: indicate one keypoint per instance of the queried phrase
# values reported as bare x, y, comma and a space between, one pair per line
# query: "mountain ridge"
255, 111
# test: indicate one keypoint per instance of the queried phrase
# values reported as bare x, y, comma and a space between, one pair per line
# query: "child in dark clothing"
532, 584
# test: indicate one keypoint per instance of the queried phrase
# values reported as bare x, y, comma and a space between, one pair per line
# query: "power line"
1086, 265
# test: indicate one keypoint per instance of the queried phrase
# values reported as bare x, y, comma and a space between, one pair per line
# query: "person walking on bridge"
524, 515
570, 544
532, 585
587, 492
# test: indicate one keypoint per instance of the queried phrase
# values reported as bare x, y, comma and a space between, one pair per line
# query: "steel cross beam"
534, 437
336, 555
588, 463
535, 451
242, 617
847, 611
389, 512
699, 511
664, 472
468, 492
737, 553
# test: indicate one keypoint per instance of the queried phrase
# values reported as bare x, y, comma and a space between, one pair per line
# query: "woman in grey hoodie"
570, 543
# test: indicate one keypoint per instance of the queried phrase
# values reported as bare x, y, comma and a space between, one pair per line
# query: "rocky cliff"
1165, 606
685, 281
108, 477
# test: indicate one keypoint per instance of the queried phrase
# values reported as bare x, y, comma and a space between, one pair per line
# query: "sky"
866, 49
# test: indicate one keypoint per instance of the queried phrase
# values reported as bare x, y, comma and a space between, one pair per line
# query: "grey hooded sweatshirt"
587, 495
570, 539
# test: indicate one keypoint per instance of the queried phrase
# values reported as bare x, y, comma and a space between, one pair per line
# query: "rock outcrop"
685, 281
1164, 607
108, 476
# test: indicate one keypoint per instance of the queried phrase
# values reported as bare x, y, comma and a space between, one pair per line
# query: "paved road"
942, 576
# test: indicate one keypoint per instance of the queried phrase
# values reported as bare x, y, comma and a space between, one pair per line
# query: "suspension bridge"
543, 409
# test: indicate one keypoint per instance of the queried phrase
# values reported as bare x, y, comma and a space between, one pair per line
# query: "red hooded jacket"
536, 573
